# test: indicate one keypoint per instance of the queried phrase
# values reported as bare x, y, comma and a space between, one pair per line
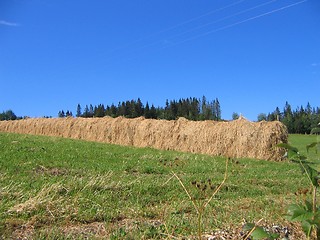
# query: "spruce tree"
113, 111
61, 114
216, 110
153, 112
147, 111
139, 108
8, 115
86, 113
91, 111
288, 118
78, 111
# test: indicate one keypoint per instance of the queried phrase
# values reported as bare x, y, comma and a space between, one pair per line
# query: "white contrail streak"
201, 16
10, 24
240, 22
222, 19
179, 25
196, 28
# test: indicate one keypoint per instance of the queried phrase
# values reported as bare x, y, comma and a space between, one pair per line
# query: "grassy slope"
53, 187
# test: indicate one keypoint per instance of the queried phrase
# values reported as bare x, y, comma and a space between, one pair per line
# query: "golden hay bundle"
239, 138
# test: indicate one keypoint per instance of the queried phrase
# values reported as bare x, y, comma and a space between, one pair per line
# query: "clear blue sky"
253, 55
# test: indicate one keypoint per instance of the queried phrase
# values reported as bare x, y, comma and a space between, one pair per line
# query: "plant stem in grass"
314, 209
314, 200
252, 230
202, 206
219, 187
193, 202
199, 224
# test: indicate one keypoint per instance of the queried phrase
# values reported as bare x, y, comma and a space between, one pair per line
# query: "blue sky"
251, 55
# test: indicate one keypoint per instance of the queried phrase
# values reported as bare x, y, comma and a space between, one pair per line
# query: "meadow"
56, 188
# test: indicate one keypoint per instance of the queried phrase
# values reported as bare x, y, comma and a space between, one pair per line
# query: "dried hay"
46, 196
239, 138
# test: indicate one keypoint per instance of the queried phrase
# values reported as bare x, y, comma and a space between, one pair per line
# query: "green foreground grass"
54, 188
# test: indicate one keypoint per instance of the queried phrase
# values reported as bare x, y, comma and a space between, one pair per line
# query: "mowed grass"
54, 188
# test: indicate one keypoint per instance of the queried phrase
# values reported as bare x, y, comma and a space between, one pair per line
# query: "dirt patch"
86, 231
239, 138
40, 170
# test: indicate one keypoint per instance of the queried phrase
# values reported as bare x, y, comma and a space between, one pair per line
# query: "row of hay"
239, 138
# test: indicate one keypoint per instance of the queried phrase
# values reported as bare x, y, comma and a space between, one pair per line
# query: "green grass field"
54, 188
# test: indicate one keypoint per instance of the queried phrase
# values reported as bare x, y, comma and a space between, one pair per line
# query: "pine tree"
166, 112
86, 113
113, 111
147, 111
216, 110
123, 108
99, 111
288, 118
153, 112
68, 113
173, 112
8, 115
78, 111
91, 111
139, 109
61, 114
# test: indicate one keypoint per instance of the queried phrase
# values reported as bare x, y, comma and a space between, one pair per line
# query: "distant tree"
86, 112
315, 118
275, 115
11, 115
262, 117
207, 111
139, 108
68, 113
216, 110
308, 109
123, 108
288, 118
203, 105
113, 110
166, 111
190, 108
91, 111
8, 115
131, 106
301, 120
194, 110
61, 114
147, 111
99, 111
173, 110
315, 130
235, 116
153, 112
78, 111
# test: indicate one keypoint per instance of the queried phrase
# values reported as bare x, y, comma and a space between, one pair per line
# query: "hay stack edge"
238, 139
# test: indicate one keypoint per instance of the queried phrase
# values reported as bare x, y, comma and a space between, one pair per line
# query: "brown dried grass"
239, 138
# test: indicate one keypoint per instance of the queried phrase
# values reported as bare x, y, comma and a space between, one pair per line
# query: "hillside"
57, 188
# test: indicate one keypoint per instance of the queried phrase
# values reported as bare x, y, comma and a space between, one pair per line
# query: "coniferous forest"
302, 120
190, 108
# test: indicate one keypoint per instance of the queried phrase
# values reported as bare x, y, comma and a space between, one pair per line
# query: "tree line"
8, 115
302, 120
189, 108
